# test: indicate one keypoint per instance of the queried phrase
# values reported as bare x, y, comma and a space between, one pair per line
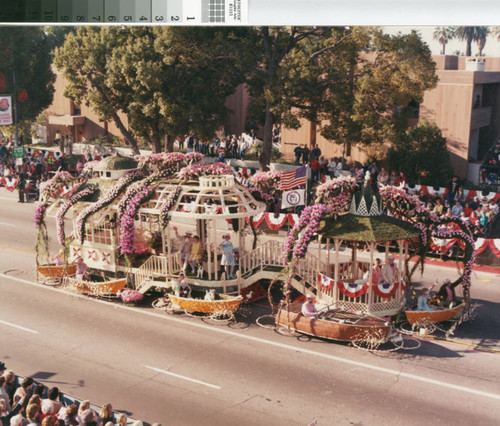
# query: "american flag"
293, 179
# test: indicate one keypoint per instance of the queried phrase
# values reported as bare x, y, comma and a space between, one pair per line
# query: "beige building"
465, 105
81, 122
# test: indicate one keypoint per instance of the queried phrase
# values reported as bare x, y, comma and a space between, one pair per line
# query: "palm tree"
470, 34
443, 35
495, 32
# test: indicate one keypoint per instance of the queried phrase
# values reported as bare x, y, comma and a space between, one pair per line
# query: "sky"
492, 47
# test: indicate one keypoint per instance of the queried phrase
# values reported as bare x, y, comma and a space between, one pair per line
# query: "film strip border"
162, 12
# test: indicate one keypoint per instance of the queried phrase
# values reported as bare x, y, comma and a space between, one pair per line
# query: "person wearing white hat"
390, 271
228, 260
308, 308
185, 248
423, 298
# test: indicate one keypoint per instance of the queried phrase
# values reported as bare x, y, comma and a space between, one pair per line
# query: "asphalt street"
179, 370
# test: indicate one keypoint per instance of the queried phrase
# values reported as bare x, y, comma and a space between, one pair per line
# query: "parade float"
124, 212
343, 223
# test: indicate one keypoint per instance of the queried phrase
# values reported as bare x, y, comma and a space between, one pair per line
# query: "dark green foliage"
355, 84
421, 154
26, 52
350, 227
166, 80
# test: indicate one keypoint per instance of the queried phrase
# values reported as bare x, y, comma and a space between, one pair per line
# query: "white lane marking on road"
19, 327
8, 224
189, 379
271, 343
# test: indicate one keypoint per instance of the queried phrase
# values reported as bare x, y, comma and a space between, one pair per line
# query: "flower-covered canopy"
365, 221
373, 229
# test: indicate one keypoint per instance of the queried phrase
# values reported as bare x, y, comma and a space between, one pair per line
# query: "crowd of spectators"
27, 403
230, 146
490, 170
36, 167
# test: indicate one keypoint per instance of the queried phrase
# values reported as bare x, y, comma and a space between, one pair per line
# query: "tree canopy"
167, 81
422, 155
443, 35
355, 84
24, 53
472, 34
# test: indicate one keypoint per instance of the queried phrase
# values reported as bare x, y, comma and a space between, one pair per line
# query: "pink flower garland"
116, 190
39, 215
336, 194
127, 223
66, 206
202, 169
467, 237
136, 187
52, 186
296, 245
169, 203
270, 178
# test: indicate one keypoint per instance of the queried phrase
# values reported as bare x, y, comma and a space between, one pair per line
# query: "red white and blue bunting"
353, 289
9, 182
469, 193
325, 283
359, 288
385, 290
274, 221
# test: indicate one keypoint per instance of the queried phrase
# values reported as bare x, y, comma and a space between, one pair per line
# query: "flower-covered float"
339, 278
126, 209
342, 223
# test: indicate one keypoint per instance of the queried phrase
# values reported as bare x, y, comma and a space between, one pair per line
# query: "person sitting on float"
185, 289
446, 294
58, 259
377, 271
81, 269
422, 304
308, 307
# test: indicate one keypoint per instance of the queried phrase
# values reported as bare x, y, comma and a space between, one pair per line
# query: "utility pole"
14, 96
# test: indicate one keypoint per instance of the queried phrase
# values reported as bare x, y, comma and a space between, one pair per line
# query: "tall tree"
24, 55
469, 35
495, 32
443, 35
355, 84
166, 80
481, 41
421, 153
265, 82
83, 60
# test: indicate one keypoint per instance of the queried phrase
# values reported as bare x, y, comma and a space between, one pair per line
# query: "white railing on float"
157, 267
308, 269
271, 254
268, 254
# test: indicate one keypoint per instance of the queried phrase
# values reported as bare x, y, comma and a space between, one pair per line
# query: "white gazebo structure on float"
348, 283
207, 205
